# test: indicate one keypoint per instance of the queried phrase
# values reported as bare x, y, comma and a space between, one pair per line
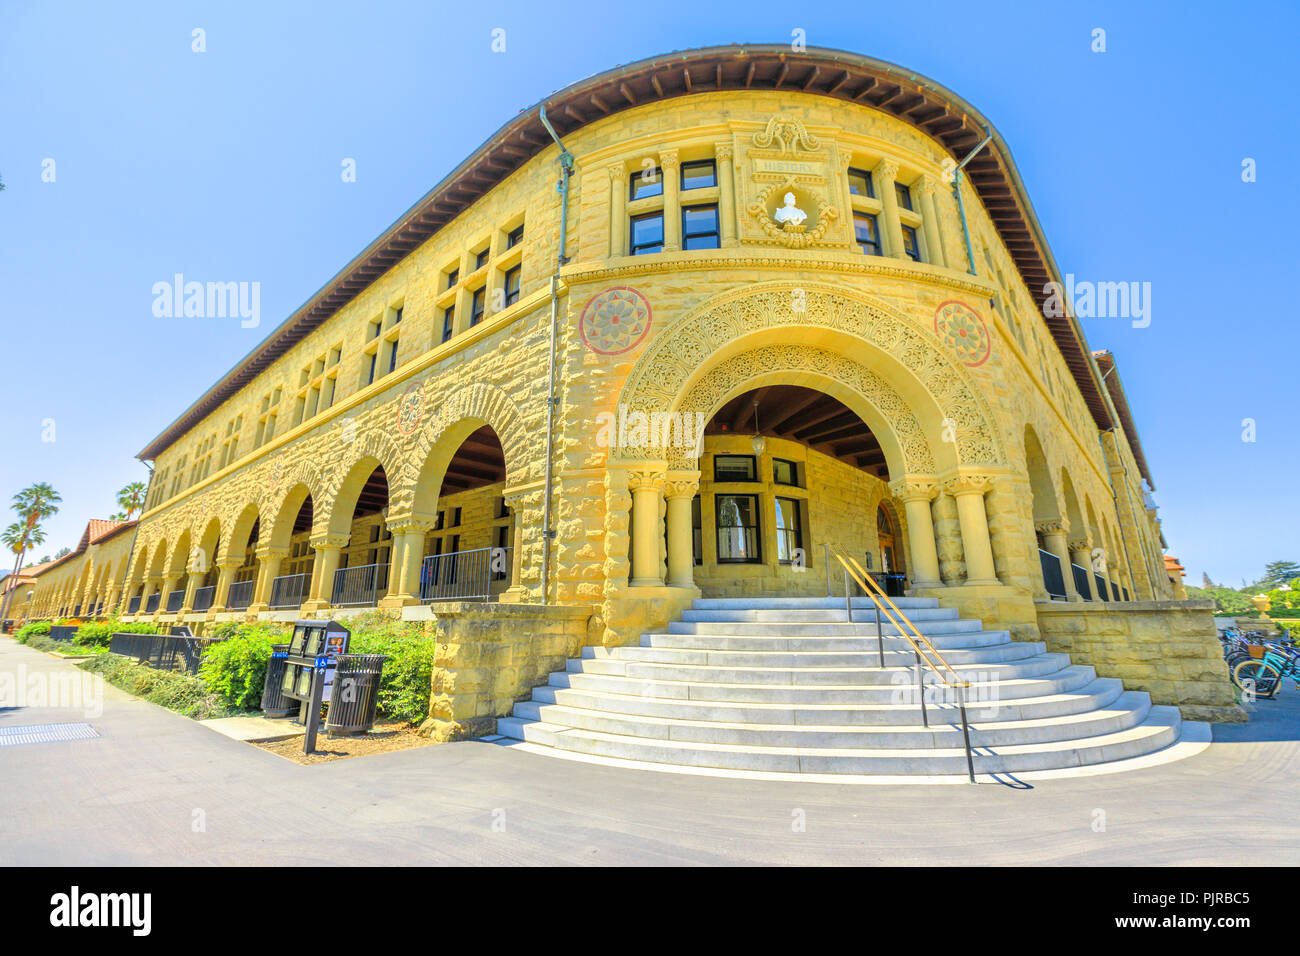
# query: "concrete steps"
790, 685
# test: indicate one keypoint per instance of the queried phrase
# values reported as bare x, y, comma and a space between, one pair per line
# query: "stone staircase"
789, 685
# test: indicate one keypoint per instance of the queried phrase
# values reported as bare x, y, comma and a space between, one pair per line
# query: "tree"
61, 552
1277, 573
131, 500
33, 504
118, 516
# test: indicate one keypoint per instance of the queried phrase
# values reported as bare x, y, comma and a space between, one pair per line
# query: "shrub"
30, 628
101, 633
235, 667
171, 689
408, 673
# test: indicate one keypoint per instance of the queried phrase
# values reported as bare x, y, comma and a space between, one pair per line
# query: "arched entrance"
365, 560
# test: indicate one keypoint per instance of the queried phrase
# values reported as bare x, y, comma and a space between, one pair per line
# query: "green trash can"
354, 695
274, 703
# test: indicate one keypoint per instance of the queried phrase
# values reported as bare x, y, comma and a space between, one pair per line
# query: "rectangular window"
648, 182
910, 244
867, 233
392, 355
370, 374
327, 393
514, 237
647, 234
700, 227
476, 306
397, 315
860, 183
789, 530
785, 472
699, 175
453, 277
481, 259
735, 468
738, 535
512, 285
697, 531
372, 331
455, 518
904, 195
448, 322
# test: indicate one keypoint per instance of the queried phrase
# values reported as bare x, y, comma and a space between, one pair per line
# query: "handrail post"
920, 690
827, 547
880, 636
848, 601
965, 732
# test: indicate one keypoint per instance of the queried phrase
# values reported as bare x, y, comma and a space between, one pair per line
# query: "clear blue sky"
225, 165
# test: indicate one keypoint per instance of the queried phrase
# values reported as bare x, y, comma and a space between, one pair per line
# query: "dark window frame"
783, 532
639, 178
645, 248
875, 225
710, 164
514, 273
720, 528
794, 472
909, 232
865, 174
904, 196
753, 461
449, 322
477, 305
514, 236
715, 232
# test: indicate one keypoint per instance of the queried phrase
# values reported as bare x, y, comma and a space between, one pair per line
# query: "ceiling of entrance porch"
804, 415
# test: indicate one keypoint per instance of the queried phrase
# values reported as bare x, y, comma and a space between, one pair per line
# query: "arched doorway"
361, 578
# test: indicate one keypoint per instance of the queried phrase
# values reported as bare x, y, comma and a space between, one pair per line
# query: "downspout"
961, 205
126, 573
1128, 494
562, 186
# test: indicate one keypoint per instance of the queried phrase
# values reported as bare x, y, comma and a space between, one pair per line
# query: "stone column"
329, 549
933, 226
268, 569
680, 489
617, 209
408, 554
916, 495
516, 499
968, 491
670, 169
1054, 533
646, 482
114, 595
1105, 574
1081, 554
164, 592
194, 580
886, 172
225, 574
726, 195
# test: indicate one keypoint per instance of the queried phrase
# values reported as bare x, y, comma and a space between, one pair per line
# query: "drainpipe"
1128, 494
126, 574
562, 187
961, 206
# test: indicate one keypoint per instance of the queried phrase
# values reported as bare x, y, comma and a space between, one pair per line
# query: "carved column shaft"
932, 227
680, 489
726, 195
670, 168
646, 485
886, 172
968, 492
916, 497
618, 210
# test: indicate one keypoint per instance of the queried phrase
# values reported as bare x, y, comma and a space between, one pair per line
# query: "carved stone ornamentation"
786, 132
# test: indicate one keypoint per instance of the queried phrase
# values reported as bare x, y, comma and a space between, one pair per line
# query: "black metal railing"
359, 586
1114, 590
165, 652
203, 597
174, 600
1081, 582
241, 595
1053, 579
151, 605
1124, 591
62, 632
288, 590
133, 605
76, 611
1101, 587
463, 575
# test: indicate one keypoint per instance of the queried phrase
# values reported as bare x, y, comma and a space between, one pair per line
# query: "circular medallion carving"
960, 328
615, 320
410, 409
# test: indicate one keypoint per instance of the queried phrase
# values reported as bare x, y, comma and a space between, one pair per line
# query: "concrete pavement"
158, 789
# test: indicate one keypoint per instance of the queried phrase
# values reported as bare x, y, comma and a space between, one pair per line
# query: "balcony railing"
133, 605
151, 605
203, 597
174, 600
241, 595
76, 611
1053, 580
288, 590
464, 575
1101, 591
1081, 582
359, 586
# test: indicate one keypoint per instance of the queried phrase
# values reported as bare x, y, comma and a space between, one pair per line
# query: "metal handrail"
898, 619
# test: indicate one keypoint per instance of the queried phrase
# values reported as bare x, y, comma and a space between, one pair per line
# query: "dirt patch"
382, 739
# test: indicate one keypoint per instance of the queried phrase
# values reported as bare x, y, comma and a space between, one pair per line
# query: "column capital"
264, 552
414, 521
681, 484
846, 160
230, 565
1054, 526
640, 479
926, 186
914, 489
327, 540
968, 485
723, 152
887, 168
1079, 544
668, 159
617, 172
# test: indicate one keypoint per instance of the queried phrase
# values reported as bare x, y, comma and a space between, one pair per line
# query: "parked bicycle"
1264, 676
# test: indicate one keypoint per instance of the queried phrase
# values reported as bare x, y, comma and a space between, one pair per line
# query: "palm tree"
131, 499
18, 537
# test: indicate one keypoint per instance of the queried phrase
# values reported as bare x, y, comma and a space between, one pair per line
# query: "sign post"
309, 670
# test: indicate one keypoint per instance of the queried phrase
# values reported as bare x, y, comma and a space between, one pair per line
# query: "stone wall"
491, 655
1168, 648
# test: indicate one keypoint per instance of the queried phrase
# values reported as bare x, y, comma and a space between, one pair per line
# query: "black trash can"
274, 703
355, 694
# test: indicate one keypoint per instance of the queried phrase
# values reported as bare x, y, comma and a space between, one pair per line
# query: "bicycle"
1264, 677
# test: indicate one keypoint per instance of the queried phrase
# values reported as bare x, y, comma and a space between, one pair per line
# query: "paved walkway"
156, 788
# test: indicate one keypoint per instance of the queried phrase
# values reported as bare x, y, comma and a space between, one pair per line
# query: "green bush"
235, 668
100, 633
408, 673
30, 628
171, 689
